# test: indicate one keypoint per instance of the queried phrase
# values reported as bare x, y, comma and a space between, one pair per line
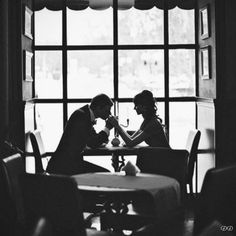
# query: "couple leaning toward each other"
79, 133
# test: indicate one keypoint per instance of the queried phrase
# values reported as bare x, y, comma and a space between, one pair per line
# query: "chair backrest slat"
38, 149
192, 147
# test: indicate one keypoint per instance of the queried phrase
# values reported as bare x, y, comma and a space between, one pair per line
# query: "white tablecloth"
165, 190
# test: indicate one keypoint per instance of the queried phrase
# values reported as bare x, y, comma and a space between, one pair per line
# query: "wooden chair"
11, 168
217, 200
57, 198
38, 149
192, 147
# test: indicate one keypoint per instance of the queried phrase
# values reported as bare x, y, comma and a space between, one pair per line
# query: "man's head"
101, 106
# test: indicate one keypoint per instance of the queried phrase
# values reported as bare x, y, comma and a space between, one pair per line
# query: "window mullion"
115, 52
166, 68
64, 64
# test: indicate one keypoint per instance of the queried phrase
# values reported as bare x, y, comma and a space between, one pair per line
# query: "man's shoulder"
81, 113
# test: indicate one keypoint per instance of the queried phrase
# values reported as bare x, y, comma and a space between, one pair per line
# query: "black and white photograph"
118, 118
205, 59
28, 61
28, 22
204, 22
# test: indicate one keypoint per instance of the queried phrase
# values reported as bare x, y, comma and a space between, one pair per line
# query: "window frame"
116, 47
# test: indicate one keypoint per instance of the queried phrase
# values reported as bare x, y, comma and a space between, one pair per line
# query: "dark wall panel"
207, 87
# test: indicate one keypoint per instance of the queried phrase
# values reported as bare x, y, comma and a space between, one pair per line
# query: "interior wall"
11, 99
14, 90
226, 48
207, 94
4, 105
220, 89
27, 86
4, 109
207, 87
225, 103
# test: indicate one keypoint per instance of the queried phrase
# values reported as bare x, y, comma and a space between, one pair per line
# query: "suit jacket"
78, 133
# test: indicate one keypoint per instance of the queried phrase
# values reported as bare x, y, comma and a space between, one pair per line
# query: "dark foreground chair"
56, 198
217, 200
11, 168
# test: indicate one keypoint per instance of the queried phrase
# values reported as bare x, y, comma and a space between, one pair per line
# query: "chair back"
56, 198
42, 227
217, 200
12, 167
164, 161
192, 147
38, 149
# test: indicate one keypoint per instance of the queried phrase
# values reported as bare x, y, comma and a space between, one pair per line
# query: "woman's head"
145, 104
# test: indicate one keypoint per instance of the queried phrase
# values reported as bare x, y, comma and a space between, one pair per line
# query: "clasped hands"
111, 122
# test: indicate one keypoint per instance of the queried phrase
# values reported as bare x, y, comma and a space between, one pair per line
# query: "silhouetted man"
78, 133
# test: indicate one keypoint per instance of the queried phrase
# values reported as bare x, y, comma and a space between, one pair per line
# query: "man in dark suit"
78, 133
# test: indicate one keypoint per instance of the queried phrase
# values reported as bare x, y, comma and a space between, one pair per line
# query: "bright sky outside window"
181, 26
48, 27
141, 69
48, 74
140, 27
89, 73
89, 27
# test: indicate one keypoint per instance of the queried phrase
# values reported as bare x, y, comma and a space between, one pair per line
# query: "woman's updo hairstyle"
146, 99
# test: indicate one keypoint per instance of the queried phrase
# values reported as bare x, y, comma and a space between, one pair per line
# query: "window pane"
74, 106
88, 27
126, 111
182, 73
141, 69
48, 74
182, 119
49, 120
48, 27
90, 73
140, 26
181, 26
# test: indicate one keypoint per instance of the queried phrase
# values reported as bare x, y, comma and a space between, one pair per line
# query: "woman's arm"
133, 140
135, 133
138, 137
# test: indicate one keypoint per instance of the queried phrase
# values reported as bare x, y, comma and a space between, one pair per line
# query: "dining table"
120, 189
117, 153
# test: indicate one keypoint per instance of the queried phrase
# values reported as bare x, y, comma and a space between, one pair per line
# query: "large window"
80, 53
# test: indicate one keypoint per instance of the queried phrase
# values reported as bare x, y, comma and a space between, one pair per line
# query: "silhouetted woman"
151, 130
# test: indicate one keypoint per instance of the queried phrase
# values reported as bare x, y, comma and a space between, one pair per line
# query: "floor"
180, 229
